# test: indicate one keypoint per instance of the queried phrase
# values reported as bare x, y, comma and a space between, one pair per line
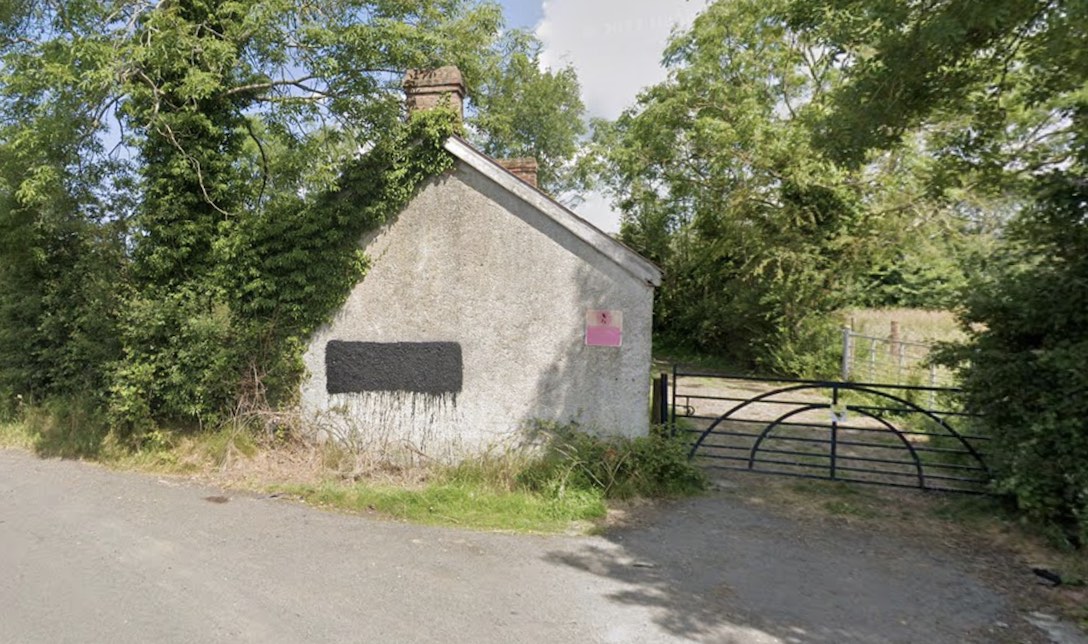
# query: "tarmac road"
91, 555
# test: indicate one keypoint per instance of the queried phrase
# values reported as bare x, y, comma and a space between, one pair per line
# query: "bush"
66, 427
649, 466
1025, 366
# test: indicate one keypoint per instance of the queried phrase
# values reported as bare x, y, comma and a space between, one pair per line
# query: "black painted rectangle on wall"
421, 367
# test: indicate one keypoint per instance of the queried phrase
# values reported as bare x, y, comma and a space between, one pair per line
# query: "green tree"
57, 300
761, 239
239, 125
989, 81
523, 110
999, 88
936, 257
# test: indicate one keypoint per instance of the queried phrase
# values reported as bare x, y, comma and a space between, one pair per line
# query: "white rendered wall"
467, 262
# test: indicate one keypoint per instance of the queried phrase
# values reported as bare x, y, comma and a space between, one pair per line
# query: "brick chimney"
427, 88
525, 168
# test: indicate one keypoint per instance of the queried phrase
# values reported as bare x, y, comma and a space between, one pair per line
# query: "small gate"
879, 434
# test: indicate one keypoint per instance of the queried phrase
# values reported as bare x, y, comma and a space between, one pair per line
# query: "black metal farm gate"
879, 434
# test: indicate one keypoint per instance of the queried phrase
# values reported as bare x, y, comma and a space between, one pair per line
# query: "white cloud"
596, 210
615, 46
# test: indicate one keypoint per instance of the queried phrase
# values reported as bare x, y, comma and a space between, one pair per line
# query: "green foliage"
998, 90
1026, 363
523, 110
57, 288
235, 334
651, 466
175, 277
933, 268
191, 134
177, 363
66, 428
984, 77
759, 238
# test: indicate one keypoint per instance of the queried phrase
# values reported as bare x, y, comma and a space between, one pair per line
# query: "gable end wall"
468, 263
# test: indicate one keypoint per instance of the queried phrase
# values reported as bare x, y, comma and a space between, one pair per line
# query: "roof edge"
621, 254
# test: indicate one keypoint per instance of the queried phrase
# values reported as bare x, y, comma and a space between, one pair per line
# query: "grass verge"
459, 504
565, 485
569, 482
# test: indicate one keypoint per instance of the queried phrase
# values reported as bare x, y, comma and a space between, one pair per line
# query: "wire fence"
891, 360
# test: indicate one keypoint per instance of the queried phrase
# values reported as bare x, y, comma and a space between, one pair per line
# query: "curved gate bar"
736, 408
892, 428
900, 436
925, 412
777, 421
849, 386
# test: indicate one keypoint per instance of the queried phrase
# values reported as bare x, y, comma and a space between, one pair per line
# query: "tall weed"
649, 466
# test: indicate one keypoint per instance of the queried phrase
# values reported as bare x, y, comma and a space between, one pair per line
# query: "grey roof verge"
619, 253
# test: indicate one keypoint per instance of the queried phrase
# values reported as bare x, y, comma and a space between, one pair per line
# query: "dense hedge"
1025, 367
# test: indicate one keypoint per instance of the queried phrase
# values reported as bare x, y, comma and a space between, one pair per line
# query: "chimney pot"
426, 89
525, 168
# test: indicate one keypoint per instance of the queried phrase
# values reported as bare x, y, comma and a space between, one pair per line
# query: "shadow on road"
715, 569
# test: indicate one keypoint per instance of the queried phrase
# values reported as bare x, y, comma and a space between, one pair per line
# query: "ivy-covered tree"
220, 144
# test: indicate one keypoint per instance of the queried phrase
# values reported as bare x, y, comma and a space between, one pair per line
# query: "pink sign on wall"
604, 328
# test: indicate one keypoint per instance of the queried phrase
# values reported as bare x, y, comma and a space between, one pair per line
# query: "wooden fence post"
847, 351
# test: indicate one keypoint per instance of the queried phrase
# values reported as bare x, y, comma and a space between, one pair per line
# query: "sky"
614, 45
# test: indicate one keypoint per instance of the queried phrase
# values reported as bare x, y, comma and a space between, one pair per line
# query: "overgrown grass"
915, 325
567, 481
14, 434
77, 429
570, 480
449, 501
651, 466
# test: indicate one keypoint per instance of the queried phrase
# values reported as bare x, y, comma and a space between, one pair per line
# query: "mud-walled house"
487, 306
